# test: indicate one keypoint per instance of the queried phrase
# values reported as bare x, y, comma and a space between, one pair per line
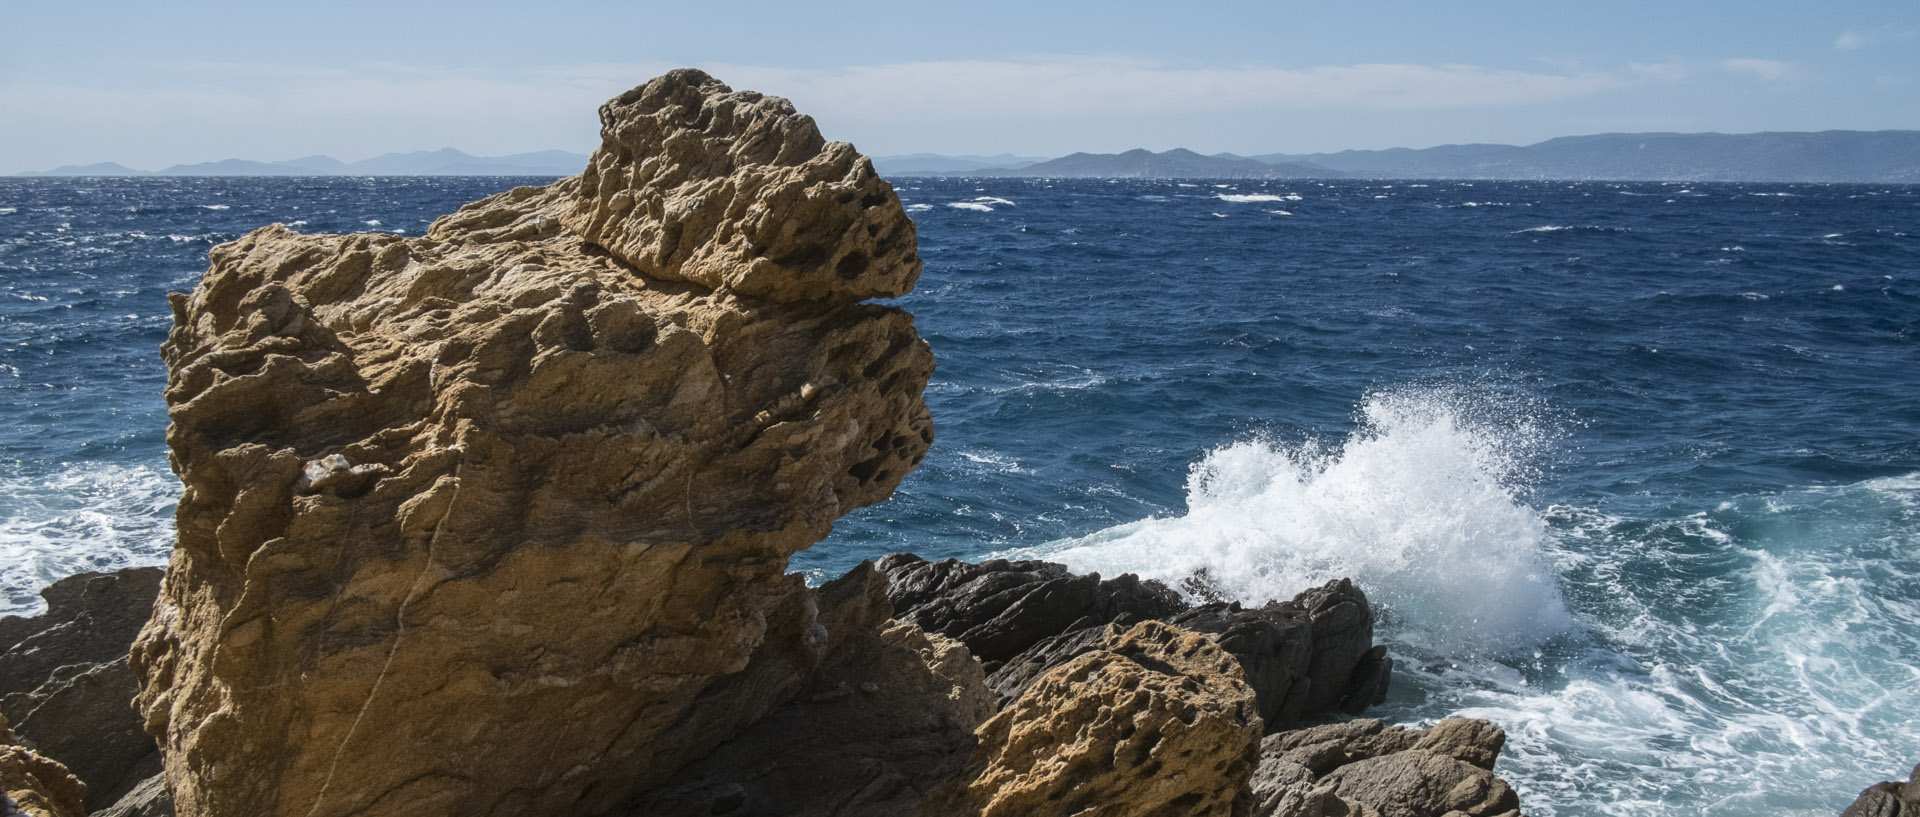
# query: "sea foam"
1418, 505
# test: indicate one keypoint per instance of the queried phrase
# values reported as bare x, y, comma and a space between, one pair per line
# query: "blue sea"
1631, 469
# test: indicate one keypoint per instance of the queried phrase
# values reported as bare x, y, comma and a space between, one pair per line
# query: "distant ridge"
442, 162
934, 164
1178, 163
1827, 156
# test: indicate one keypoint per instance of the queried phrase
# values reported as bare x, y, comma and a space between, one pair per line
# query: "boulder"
1365, 766
495, 520
1888, 799
64, 678
1154, 720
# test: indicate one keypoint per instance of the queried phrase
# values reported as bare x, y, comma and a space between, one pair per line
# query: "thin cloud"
1850, 41
1769, 70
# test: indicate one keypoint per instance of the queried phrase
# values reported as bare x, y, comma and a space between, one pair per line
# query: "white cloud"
1850, 41
1769, 70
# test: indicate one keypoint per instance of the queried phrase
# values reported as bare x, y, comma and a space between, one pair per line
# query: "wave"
1418, 505
1247, 198
87, 516
971, 205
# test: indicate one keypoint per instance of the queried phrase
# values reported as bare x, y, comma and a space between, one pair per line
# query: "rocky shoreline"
496, 521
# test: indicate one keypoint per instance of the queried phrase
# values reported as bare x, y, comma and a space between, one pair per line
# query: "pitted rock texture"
65, 682
493, 521
1154, 721
1365, 767
35, 786
734, 190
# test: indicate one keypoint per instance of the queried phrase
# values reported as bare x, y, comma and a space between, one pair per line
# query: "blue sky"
151, 84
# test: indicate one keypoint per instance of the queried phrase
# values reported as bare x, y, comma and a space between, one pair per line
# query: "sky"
150, 84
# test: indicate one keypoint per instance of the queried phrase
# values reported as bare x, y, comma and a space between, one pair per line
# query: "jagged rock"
495, 520
64, 676
1019, 672
892, 715
1888, 799
148, 798
1371, 767
1342, 635
696, 182
1155, 721
1000, 608
36, 786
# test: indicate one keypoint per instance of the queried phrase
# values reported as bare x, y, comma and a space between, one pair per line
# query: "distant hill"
1826, 156
934, 164
1178, 163
443, 162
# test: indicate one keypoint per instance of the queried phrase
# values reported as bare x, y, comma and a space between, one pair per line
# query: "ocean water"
1631, 469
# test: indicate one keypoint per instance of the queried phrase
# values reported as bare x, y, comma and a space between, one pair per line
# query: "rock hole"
851, 266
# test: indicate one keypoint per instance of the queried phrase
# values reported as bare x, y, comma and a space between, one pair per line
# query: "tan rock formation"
1154, 721
495, 520
36, 786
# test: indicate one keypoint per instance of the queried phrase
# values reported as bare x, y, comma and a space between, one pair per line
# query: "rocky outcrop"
495, 520
34, 786
1888, 799
1365, 767
1154, 720
64, 679
1310, 656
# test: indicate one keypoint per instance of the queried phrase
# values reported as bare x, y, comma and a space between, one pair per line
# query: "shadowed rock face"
495, 520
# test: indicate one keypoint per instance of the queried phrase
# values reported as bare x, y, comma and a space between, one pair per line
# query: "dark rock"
1000, 608
1418, 783
148, 799
1368, 684
65, 682
1888, 799
1342, 635
1014, 676
1274, 644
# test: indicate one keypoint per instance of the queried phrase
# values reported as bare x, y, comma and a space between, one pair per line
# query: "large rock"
1366, 767
1154, 721
35, 786
1888, 799
495, 520
65, 681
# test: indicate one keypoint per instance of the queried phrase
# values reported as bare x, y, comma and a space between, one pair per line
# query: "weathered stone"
1342, 635
734, 190
1888, 799
869, 753
1274, 644
34, 785
1000, 608
148, 798
1019, 672
1155, 721
495, 520
1419, 783
64, 678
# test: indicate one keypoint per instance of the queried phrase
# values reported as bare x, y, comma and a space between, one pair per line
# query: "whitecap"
372, 222
217, 206
7, 211
919, 208
970, 205
1281, 212
1246, 198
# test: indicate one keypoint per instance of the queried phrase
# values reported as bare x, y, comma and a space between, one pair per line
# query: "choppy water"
1632, 469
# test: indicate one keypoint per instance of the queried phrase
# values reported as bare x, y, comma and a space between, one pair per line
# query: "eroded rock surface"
65, 683
495, 520
33, 785
1154, 720
1366, 767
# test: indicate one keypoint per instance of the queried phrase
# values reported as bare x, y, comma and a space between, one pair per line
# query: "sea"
1631, 469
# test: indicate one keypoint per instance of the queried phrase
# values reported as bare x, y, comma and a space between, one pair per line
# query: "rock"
1371, 767
696, 182
149, 798
849, 756
1888, 799
1274, 644
1154, 721
1419, 783
1019, 672
495, 520
64, 676
1342, 635
1000, 608
34, 785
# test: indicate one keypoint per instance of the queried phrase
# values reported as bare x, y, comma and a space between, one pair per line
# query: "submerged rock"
495, 520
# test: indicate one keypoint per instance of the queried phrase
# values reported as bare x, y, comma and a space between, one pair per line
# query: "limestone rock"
495, 520
1000, 608
1154, 721
35, 786
1888, 799
696, 182
64, 678
1419, 783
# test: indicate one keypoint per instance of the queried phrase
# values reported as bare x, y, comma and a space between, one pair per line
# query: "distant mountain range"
1826, 156
443, 162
